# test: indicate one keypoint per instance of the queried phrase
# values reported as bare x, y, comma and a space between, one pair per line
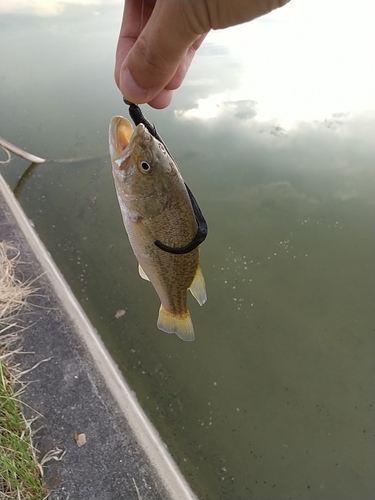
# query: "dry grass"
13, 293
20, 473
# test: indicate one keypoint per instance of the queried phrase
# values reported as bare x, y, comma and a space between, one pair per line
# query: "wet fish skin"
155, 205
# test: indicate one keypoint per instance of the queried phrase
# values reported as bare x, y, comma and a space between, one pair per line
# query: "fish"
158, 214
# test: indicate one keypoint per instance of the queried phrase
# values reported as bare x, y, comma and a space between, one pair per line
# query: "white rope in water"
8, 146
5, 162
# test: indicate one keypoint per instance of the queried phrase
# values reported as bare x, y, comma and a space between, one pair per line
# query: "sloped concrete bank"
80, 390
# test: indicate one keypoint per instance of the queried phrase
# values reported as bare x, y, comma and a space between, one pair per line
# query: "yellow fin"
180, 325
198, 287
142, 274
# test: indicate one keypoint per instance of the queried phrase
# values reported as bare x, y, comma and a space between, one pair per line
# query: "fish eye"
145, 166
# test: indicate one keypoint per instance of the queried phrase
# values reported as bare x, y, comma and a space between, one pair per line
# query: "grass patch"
21, 477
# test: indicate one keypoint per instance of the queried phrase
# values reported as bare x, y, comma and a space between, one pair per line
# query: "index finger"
135, 16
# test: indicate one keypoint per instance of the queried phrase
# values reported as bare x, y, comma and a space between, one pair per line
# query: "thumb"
157, 53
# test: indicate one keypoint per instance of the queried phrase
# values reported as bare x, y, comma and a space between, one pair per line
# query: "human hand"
158, 40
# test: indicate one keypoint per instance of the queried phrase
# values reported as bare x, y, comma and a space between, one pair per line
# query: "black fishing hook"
138, 117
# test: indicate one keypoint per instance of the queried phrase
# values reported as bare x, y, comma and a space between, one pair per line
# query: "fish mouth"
123, 138
120, 135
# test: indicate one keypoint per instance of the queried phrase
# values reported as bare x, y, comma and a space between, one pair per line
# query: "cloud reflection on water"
47, 8
298, 63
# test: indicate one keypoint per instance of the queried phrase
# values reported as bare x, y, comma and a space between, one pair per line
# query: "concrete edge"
164, 465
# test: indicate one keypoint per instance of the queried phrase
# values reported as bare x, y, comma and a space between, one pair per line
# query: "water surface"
274, 398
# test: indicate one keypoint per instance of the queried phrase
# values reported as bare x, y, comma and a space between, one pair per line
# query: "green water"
274, 399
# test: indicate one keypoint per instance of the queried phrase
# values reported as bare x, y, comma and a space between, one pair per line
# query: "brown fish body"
155, 206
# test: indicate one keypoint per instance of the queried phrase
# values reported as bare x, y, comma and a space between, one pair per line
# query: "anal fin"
198, 287
142, 274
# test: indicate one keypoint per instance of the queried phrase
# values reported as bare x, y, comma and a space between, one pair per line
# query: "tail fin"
182, 326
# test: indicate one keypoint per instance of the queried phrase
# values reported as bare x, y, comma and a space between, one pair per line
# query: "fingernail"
130, 89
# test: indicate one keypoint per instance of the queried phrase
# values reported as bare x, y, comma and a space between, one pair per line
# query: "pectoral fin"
198, 287
142, 274
181, 325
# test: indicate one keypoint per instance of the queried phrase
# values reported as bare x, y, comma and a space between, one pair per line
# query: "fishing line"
138, 117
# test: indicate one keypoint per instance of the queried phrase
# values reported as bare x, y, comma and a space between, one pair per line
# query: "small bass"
157, 213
